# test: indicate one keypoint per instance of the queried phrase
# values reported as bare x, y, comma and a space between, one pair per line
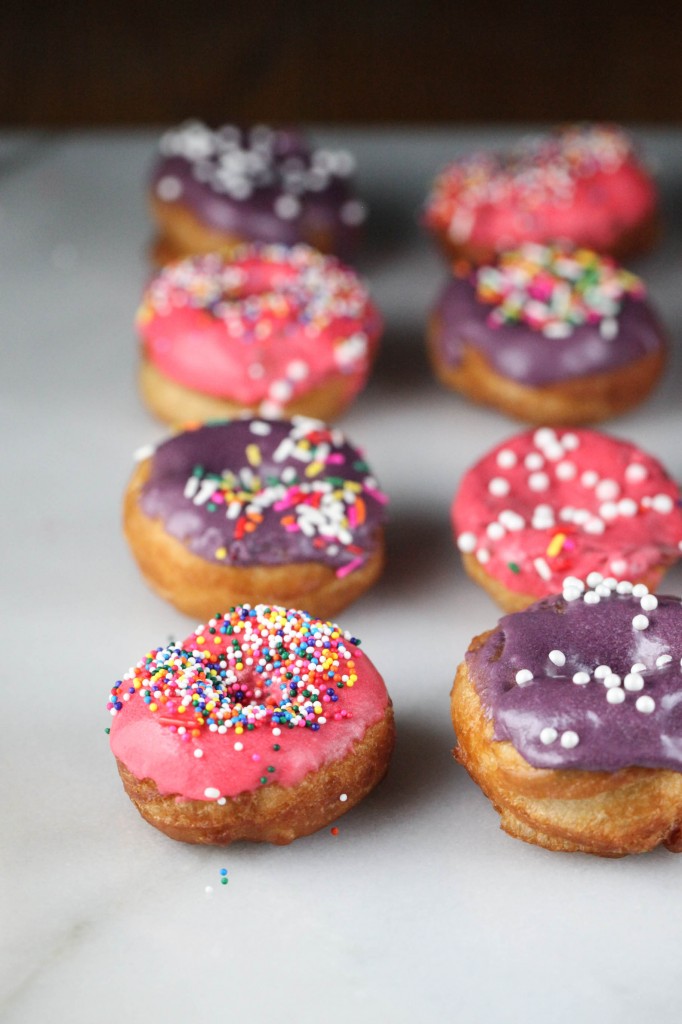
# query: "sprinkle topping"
553, 290
268, 324
250, 669
235, 164
266, 491
614, 696
572, 505
547, 170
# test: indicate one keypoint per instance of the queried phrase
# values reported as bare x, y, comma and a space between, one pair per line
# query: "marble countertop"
420, 906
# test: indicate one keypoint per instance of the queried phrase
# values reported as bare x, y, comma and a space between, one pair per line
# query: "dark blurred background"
133, 62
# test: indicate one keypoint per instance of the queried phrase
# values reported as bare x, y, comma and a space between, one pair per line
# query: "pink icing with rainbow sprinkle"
261, 328
261, 695
581, 184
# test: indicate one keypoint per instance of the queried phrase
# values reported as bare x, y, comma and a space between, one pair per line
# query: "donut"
548, 335
568, 715
256, 510
547, 503
264, 724
582, 184
211, 190
274, 330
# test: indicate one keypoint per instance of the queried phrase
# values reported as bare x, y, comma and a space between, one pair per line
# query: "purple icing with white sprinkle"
589, 679
272, 492
261, 185
529, 357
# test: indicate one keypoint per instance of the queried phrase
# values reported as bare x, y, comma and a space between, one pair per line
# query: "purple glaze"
524, 355
261, 185
206, 528
611, 736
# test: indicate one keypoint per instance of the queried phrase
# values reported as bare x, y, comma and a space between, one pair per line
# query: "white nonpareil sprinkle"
548, 735
639, 590
663, 659
499, 487
624, 587
581, 678
343, 798
594, 579
607, 490
602, 671
591, 597
635, 473
198, 752
573, 581
557, 658
615, 695
589, 478
566, 471
523, 676
639, 666
570, 442
534, 461
538, 481
640, 622
211, 793
544, 436
571, 593
511, 520
483, 555
649, 602
611, 680
466, 541
495, 531
633, 682
506, 458
662, 503
645, 704
569, 739
627, 507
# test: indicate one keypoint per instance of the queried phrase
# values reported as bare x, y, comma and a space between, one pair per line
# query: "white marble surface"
421, 905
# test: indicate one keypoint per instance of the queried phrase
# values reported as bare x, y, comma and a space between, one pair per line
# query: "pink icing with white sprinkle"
548, 503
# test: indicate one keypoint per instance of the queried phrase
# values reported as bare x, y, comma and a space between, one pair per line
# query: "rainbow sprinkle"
253, 667
553, 289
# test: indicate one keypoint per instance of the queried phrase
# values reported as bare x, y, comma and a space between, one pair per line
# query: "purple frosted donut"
213, 189
548, 335
285, 509
569, 715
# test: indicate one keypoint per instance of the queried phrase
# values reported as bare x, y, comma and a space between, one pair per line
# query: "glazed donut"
568, 716
548, 335
272, 330
255, 510
211, 190
581, 184
545, 503
265, 724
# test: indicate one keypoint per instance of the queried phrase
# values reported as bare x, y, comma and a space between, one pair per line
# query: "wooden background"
142, 61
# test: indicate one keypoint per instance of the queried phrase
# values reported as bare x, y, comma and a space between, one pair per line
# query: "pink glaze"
262, 328
151, 748
581, 184
548, 503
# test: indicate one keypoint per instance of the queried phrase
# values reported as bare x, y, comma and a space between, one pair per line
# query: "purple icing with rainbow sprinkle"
259, 491
261, 184
590, 679
544, 314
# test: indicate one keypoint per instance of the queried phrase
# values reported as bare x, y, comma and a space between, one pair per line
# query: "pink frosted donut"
548, 503
264, 724
273, 330
581, 184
